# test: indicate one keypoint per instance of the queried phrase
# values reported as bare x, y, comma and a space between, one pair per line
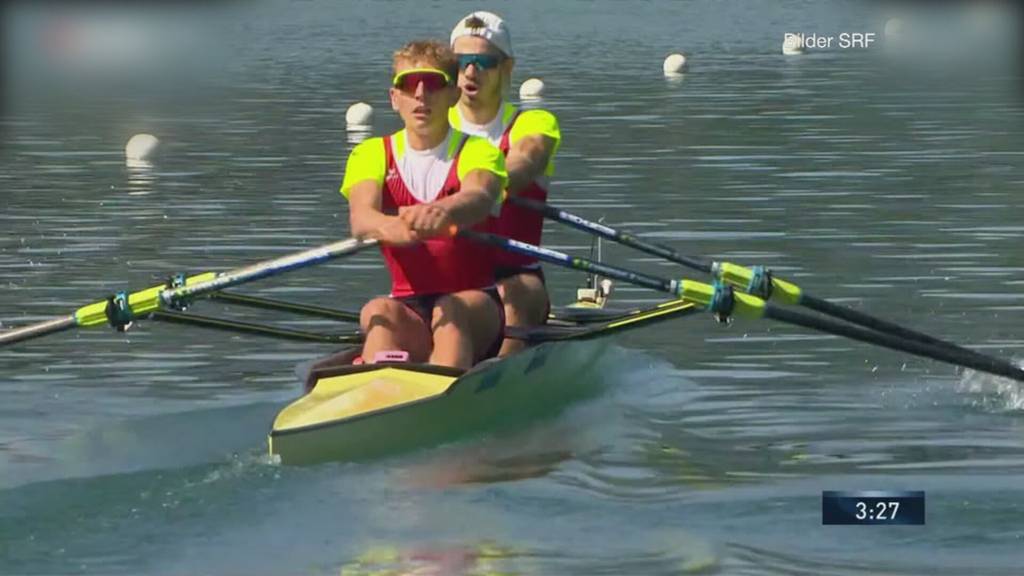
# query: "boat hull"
369, 411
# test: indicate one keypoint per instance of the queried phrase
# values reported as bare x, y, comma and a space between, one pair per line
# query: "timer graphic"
892, 507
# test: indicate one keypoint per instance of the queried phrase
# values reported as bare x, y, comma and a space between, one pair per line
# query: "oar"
754, 281
122, 308
722, 301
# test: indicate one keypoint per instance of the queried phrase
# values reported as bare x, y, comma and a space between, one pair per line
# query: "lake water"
855, 173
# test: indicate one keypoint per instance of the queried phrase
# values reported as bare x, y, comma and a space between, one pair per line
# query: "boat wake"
163, 442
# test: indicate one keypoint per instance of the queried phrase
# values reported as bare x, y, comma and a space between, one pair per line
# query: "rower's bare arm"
364, 215
367, 220
527, 160
480, 190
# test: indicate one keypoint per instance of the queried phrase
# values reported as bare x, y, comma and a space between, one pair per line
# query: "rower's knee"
380, 311
525, 298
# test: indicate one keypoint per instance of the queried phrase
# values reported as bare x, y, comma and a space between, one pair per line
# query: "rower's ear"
506, 74
393, 95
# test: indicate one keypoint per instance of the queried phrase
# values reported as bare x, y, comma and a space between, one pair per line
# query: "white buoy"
893, 28
141, 147
359, 116
674, 64
532, 88
792, 45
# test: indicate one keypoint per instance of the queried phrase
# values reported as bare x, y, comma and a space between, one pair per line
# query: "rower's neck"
425, 141
478, 112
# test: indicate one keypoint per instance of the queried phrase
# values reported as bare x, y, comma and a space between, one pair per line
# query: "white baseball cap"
493, 30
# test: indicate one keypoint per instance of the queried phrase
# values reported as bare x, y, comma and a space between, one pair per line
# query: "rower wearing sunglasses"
408, 190
528, 139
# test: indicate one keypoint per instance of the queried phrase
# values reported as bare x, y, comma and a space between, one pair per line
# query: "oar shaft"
971, 359
266, 269
874, 323
38, 329
583, 264
615, 235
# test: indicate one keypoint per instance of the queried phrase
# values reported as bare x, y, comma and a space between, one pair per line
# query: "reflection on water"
454, 560
141, 179
494, 558
533, 453
356, 134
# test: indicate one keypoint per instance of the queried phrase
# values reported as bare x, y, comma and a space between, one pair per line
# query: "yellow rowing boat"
368, 410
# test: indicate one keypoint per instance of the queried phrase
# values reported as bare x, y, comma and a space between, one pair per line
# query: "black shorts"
503, 272
423, 306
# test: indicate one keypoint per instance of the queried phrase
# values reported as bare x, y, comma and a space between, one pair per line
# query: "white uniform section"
424, 171
493, 130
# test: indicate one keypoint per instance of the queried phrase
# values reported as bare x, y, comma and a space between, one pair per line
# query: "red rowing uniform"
508, 126
440, 265
408, 177
517, 222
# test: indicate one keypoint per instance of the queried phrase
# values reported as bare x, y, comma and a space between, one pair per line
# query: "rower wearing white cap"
529, 140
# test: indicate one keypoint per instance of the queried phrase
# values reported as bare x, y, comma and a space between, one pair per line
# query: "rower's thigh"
407, 329
526, 299
471, 310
